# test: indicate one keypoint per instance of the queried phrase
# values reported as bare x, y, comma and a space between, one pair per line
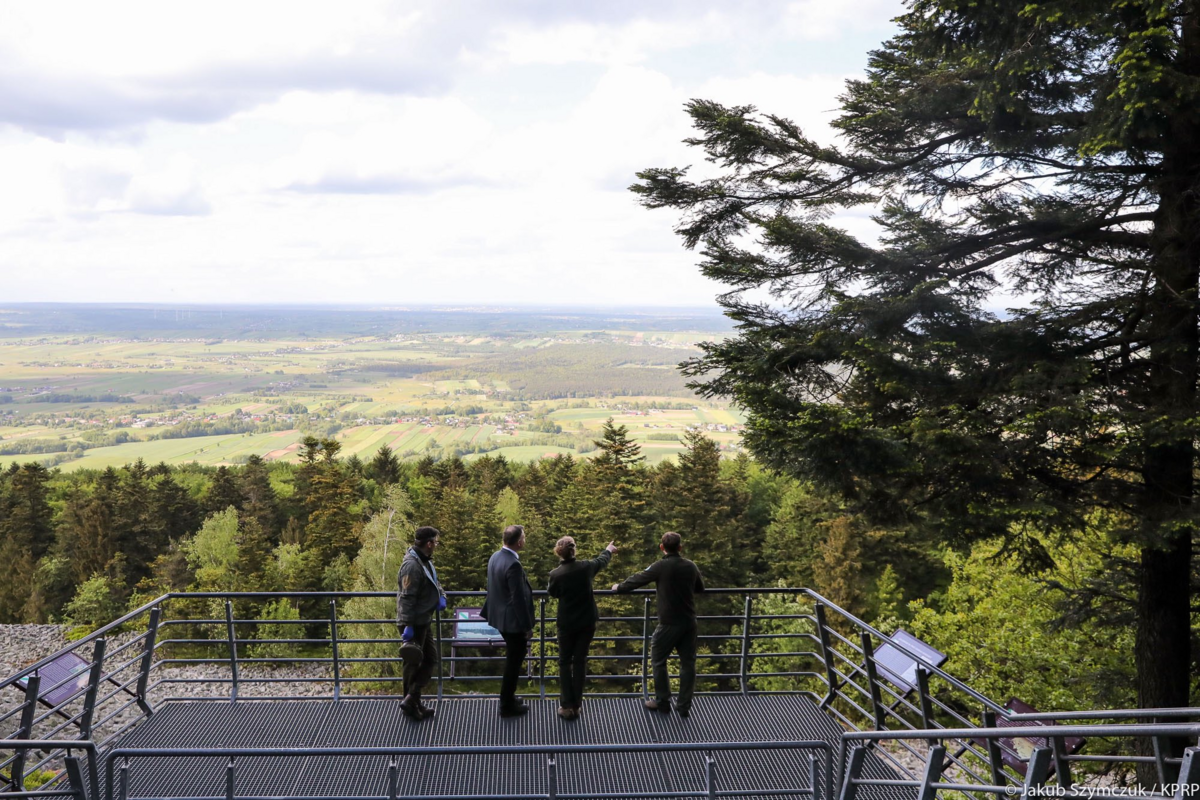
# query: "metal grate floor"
468, 721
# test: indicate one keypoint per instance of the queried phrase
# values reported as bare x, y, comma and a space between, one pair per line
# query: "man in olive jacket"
509, 609
418, 597
677, 581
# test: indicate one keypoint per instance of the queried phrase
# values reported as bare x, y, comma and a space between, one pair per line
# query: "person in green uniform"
418, 596
677, 580
571, 583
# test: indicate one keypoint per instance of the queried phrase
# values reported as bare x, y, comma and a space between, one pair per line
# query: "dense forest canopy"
1006, 148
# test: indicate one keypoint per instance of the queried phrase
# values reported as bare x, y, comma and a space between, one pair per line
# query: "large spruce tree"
1039, 155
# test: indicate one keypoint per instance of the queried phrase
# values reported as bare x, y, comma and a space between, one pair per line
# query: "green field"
366, 392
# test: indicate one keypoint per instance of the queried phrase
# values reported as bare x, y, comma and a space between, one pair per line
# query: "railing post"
233, 664
438, 635
826, 653
933, 773
1037, 770
854, 768
995, 764
333, 640
924, 696
75, 778
89, 710
93, 687
1062, 767
872, 680
552, 779
148, 660
646, 650
1161, 748
745, 644
33, 685
230, 779
710, 777
1189, 774
814, 775
542, 652
123, 780
392, 780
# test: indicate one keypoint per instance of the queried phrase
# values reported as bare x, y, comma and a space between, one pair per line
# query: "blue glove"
441, 602
408, 633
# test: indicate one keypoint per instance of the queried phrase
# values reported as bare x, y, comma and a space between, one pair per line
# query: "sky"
438, 152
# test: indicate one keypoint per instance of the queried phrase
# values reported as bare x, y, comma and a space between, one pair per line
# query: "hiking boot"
411, 706
566, 713
426, 709
514, 711
654, 705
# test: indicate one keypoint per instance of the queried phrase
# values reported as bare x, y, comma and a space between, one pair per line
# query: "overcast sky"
412, 152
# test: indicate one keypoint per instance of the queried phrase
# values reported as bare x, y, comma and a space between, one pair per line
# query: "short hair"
671, 542
513, 534
564, 548
425, 533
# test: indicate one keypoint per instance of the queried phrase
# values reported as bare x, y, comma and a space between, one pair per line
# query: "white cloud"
280, 151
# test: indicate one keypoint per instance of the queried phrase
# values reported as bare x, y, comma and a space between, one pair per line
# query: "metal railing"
117, 766
1041, 762
344, 645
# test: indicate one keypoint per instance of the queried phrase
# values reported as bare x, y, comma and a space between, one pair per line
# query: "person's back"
577, 615
571, 583
509, 609
676, 580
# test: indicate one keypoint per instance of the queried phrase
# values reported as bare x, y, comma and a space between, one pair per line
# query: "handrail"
124, 754
91, 637
1119, 713
1031, 731
930, 668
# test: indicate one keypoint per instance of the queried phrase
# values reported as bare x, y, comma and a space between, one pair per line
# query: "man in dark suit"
509, 609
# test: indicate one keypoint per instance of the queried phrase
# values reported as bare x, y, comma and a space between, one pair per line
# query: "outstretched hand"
612, 547
615, 586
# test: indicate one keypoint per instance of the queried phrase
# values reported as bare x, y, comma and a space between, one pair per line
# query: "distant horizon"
483, 308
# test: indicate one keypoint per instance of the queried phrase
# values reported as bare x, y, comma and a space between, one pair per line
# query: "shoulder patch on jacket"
407, 582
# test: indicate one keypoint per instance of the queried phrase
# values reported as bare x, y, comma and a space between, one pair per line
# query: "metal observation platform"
295, 695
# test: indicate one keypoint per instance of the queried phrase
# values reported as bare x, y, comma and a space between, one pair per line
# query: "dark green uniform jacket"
571, 583
418, 593
677, 581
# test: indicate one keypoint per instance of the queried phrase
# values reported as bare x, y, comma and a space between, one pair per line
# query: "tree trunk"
1163, 652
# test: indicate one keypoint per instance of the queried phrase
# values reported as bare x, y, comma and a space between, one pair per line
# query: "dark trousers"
420, 658
572, 664
515, 646
680, 636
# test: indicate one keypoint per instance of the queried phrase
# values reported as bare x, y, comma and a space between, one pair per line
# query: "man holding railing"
677, 580
418, 597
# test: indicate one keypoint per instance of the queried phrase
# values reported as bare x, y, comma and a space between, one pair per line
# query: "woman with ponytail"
571, 583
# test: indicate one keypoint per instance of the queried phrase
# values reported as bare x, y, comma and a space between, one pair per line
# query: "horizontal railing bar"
1038, 731
932, 669
1123, 713
114, 714
478, 750
91, 637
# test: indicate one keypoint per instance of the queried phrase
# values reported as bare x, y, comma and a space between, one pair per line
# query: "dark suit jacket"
571, 583
509, 604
